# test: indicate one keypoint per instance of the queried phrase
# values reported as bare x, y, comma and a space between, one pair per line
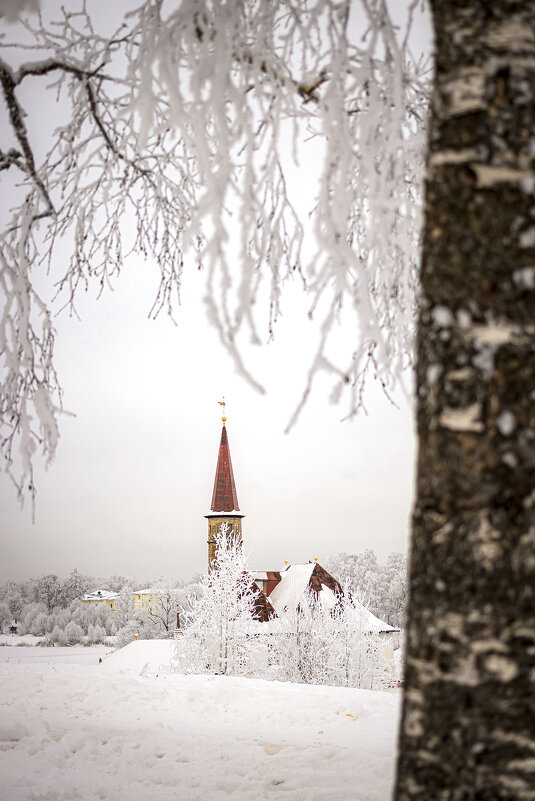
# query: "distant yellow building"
152, 598
101, 597
143, 599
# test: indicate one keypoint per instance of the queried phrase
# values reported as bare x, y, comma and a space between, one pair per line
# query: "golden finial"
223, 404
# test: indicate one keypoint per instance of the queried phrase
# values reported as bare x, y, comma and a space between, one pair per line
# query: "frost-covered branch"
184, 136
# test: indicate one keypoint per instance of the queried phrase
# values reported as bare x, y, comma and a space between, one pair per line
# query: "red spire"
225, 498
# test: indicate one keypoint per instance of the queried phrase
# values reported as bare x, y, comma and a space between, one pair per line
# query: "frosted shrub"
5, 616
73, 633
124, 606
41, 625
56, 637
95, 634
30, 613
144, 627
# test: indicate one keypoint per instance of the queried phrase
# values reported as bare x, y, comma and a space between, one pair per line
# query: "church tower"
224, 507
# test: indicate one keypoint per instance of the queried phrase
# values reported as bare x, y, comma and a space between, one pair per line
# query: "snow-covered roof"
327, 598
259, 575
100, 595
370, 622
291, 588
156, 590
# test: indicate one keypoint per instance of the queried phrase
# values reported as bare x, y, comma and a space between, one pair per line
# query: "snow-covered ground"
18, 639
74, 729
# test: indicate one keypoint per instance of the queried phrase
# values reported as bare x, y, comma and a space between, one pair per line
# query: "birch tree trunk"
468, 720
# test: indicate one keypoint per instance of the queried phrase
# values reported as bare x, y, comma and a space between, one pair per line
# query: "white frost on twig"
189, 121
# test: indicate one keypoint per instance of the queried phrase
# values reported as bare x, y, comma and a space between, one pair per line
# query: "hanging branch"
182, 136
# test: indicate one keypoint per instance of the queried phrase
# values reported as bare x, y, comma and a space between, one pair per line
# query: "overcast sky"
135, 467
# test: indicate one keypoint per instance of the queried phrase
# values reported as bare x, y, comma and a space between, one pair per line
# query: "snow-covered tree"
49, 591
360, 572
75, 586
142, 626
194, 116
15, 595
116, 583
328, 639
73, 633
39, 625
382, 588
32, 613
5, 616
220, 615
95, 634
56, 637
393, 588
124, 605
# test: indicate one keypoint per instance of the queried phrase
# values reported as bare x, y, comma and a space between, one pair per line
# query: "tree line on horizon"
46, 605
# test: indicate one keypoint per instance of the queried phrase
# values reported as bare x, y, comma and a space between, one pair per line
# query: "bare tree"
164, 603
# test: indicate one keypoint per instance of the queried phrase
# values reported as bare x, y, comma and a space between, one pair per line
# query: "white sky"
134, 471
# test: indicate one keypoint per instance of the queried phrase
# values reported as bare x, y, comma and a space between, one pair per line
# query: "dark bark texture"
468, 720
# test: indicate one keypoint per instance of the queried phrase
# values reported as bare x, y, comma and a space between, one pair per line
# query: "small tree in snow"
95, 634
40, 625
221, 614
73, 633
124, 605
359, 658
165, 600
329, 641
56, 637
5, 615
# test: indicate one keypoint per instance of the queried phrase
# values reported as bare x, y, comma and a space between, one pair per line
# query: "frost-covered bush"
314, 643
56, 637
5, 616
95, 634
73, 633
41, 625
30, 614
144, 627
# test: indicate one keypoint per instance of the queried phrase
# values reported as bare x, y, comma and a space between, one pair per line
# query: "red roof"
224, 498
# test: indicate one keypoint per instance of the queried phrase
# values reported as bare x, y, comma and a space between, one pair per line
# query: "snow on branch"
184, 133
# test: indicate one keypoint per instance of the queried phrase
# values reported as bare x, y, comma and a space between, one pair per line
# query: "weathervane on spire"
223, 404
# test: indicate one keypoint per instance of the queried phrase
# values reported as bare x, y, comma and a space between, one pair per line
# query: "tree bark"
468, 720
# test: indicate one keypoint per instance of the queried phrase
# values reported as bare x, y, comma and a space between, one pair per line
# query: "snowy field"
74, 729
